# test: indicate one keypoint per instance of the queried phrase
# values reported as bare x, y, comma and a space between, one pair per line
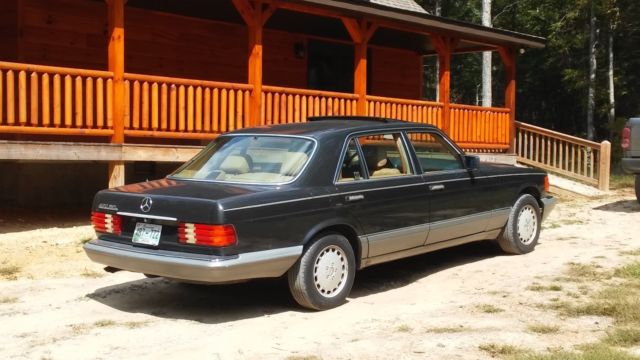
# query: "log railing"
425, 112
566, 155
480, 129
65, 101
286, 105
54, 100
157, 106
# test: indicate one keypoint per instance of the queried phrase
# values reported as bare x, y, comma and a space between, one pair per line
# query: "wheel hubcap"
330, 271
527, 224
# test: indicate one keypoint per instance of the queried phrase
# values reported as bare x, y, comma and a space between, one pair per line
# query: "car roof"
333, 125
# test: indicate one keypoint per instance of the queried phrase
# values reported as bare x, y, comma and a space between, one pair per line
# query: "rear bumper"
548, 203
631, 165
193, 267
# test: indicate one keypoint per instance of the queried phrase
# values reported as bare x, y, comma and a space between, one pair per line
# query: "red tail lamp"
106, 223
207, 235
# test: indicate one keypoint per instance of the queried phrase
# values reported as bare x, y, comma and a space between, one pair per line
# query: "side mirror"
472, 162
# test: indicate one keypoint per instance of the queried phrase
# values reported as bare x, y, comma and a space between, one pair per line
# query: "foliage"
552, 82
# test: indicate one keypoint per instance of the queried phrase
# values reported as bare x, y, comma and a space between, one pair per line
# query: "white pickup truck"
631, 150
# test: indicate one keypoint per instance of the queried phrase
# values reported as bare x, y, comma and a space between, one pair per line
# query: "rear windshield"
249, 159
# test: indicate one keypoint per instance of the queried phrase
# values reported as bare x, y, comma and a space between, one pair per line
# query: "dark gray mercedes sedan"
315, 202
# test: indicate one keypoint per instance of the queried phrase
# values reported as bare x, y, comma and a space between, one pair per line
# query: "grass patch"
404, 328
540, 287
635, 252
489, 309
589, 352
587, 272
104, 323
8, 300
543, 329
621, 181
9, 272
501, 350
446, 330
624, 337
617, 302
631, 271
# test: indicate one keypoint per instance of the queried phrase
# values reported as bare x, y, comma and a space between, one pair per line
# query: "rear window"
249, 159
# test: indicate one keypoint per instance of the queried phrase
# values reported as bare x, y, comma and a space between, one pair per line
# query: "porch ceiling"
410, 33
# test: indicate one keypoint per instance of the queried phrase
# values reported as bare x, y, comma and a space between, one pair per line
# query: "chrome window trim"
311, 157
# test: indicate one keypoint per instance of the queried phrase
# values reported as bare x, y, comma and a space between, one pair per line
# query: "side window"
385, 155
433, 153
351, 169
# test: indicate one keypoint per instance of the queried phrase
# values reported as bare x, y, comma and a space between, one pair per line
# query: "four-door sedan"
316, 201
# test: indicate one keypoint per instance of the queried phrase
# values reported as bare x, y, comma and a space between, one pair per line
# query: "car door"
457, 207
378, 185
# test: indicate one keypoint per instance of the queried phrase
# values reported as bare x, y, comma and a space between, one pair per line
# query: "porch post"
360, 32
255, 16
508, 56
444, 47
116, 65
255, 67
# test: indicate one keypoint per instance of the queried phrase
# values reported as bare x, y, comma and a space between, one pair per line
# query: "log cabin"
127, 89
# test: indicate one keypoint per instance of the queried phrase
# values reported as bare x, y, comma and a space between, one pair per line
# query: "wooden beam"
266, 13
444, 46
245, 9
255, 16
508, 56
116, 65
353, 28
361, 32
73, 151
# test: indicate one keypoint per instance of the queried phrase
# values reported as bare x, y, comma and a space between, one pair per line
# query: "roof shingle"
399, 4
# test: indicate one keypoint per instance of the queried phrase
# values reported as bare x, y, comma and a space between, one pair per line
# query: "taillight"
207, 235
546, 183
625, 142
106, 223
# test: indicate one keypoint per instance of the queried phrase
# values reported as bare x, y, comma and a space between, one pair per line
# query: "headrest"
375, 157
293, 163
235, 164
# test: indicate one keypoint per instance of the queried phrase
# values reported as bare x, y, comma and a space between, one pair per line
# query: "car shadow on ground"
626, 206
223, 303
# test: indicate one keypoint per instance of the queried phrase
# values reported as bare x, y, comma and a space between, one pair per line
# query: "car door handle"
436, 187
354, 198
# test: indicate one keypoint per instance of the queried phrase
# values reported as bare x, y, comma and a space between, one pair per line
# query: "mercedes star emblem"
145, 206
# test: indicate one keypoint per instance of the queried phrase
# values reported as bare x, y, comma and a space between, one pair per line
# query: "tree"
486, 58
593, 68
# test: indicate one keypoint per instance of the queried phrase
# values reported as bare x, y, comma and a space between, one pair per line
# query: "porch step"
563, 186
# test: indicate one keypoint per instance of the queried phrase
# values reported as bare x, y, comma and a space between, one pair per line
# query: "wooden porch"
114, 106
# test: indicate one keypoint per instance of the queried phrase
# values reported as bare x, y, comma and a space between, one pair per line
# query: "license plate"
147, 234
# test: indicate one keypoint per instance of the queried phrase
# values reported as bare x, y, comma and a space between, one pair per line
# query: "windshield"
249, 159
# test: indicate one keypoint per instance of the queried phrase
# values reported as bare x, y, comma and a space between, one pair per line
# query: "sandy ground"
55, 303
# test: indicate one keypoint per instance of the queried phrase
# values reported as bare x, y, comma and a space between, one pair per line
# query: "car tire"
638, 188
521, 233
323, 276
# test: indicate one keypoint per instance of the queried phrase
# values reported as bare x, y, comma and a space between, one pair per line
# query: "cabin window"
433, 153
330, 66
385, 155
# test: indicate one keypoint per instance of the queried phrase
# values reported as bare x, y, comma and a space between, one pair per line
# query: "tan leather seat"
235, 164
293, 163
377, 162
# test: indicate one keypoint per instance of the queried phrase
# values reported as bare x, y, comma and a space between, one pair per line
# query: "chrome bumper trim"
193, 267
548, 203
